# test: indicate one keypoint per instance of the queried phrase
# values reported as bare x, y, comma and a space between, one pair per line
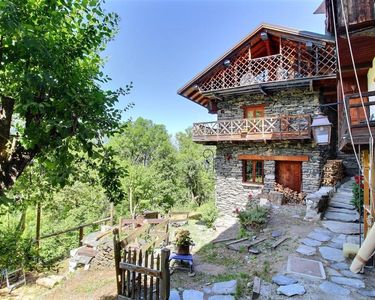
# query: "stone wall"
231, 192
294, 101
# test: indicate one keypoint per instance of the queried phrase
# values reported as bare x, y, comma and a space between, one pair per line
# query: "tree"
52, 103
196, 177
146, 152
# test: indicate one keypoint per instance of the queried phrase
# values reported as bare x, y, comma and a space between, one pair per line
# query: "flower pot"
183, 249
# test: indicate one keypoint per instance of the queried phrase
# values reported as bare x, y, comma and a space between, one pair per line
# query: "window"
253, 171
254, 111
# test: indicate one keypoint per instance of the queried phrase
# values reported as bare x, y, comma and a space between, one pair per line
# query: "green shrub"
253, 216
357, 189
209, 213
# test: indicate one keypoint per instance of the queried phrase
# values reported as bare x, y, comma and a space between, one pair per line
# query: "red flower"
362, 186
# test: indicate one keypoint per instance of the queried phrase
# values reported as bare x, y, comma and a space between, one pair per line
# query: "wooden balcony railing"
287, 127
293, 62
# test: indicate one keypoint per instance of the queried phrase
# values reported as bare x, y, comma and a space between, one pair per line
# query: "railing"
266, 128
295, 61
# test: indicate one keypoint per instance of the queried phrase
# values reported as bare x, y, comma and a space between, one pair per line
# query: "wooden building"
265, 91
353, 23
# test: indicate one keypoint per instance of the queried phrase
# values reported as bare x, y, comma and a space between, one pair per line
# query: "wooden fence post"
117, 252
165, 279
80, 236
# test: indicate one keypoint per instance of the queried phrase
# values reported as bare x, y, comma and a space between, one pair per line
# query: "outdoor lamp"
321, 128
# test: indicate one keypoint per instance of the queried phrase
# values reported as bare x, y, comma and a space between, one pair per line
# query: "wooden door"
289, 174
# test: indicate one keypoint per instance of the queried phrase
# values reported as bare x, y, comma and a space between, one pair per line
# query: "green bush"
253, 216
357, 189
209, 213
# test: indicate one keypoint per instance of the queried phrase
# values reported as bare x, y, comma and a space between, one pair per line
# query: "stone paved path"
324, 244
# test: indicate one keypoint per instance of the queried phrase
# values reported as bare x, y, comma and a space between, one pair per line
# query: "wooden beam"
274, 157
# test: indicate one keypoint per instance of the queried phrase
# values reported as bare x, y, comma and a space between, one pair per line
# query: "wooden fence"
141, 274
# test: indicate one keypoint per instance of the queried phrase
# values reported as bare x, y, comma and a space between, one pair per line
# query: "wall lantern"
264, 36
227, 63
321, 128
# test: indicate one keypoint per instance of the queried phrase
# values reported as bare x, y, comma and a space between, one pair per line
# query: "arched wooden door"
289, 174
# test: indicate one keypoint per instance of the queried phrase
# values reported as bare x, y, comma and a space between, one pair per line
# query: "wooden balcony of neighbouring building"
361, 118
285, 127
296, 62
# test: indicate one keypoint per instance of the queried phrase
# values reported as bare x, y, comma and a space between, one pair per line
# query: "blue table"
186, 258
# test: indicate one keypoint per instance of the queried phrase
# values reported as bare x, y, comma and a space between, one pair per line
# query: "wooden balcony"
294, 63
286, 127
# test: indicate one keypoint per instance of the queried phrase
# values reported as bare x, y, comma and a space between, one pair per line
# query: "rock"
340, 266
342, 227
341, 205
356, 283
367, 293
277, 233
225, 288
353, 239
332, 272
322, 231
306, 250
276, 198
254, 250
264, 202
335, 216
335, 245
341, 210
291, 290
221, 297
266, 289
350, 274
174, 295
50, 281
311, 242
333, 289
321, 237
192, 295
341, 238
283, 280
331, 254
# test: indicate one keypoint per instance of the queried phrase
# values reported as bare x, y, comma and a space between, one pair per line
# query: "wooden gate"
289, 174
141, 275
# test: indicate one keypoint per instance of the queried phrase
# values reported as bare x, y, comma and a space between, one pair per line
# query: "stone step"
342, 210
342, 227
341, 205
342, 199
336, 216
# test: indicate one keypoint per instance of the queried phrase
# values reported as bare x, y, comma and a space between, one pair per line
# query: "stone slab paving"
342, 210
340, 266
221, 297
283, 280
341, 227
291, 290
330, 253
192, 295
341, 205
337, 216
333, 289
352, 282
306, 250
311, 242
367, 293
321, 237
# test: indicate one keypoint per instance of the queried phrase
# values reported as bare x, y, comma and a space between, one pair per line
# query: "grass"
93, 286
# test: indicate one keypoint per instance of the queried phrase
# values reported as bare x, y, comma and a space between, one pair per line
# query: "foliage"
253, 216
209, 213
182, 238
50, 84
358, 192
197, 179
15, 249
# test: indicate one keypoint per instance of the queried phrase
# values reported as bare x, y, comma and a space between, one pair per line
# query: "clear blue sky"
163, 44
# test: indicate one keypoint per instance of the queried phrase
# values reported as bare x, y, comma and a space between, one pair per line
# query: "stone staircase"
341, 216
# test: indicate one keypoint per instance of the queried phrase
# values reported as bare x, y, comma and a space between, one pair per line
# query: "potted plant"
183, 242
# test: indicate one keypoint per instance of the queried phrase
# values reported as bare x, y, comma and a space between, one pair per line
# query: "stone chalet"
265, 92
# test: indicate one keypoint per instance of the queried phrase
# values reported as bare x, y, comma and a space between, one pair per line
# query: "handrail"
266, 127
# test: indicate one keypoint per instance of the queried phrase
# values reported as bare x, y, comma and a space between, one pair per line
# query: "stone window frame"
244, 174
